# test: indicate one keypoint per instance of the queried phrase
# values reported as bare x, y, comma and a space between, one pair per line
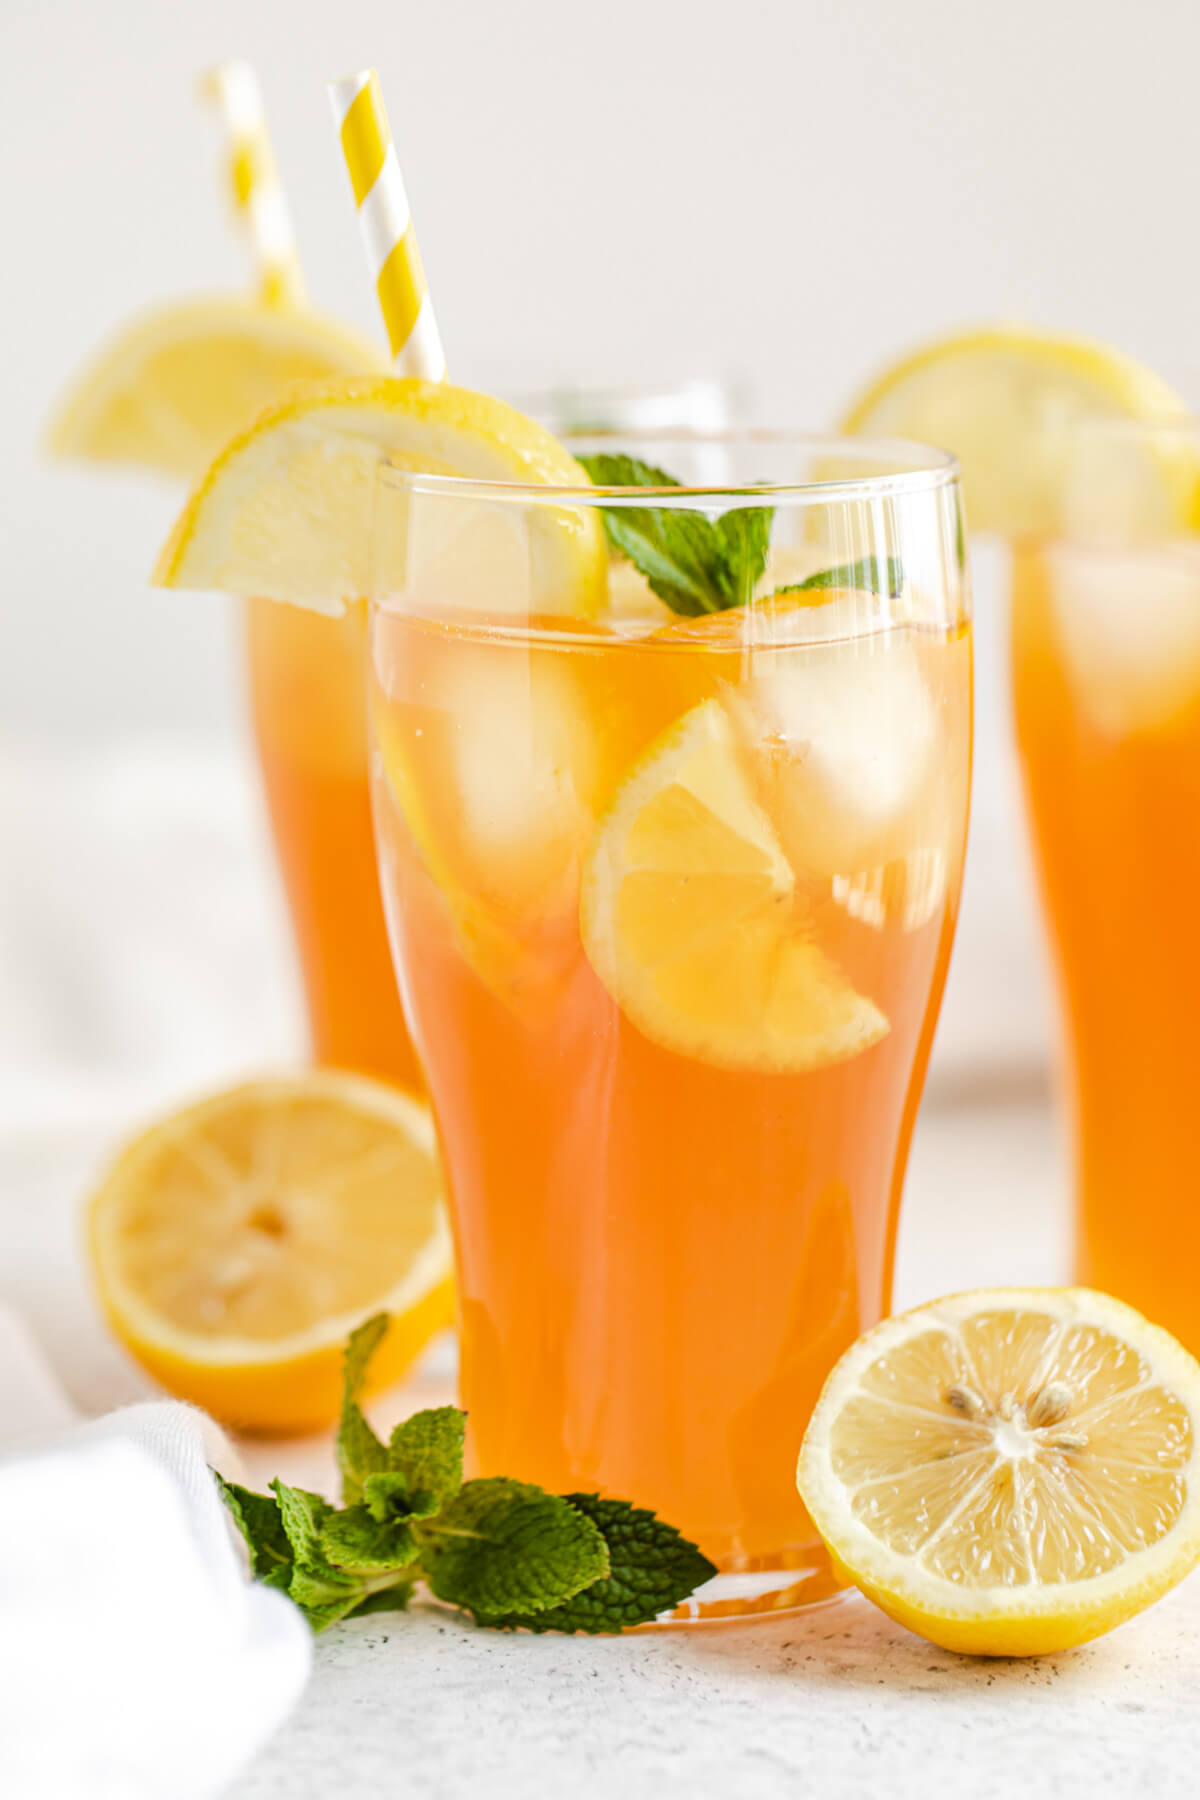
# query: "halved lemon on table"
1010, 1471
1005, 400
168, 390
237, 1243
691, 918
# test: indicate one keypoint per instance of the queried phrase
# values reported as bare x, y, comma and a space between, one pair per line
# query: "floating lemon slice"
1006, 400
293, 508
172, 387
236, 1244
690, 917
1010, 1471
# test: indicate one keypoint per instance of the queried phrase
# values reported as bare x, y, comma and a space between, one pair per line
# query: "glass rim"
929, 470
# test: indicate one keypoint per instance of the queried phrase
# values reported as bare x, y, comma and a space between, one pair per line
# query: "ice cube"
844, 738
523, 768
1128, 622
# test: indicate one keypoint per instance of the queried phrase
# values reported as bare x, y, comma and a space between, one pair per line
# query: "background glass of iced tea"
307, 678
671, 900
1106, 668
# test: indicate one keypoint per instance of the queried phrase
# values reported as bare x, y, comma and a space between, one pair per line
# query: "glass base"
760, 1587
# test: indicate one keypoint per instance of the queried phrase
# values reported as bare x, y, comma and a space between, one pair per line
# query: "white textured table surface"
839, 1703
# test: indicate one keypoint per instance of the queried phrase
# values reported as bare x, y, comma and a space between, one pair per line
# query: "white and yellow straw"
386, 224
258, 196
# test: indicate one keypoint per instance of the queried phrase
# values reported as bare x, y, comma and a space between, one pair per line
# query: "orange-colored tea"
308, 684
1107, 687
673, 905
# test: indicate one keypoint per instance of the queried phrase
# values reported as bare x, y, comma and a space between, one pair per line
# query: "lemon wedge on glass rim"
236, 1243
1010, 1471
291, 509
171, 387
1007, 401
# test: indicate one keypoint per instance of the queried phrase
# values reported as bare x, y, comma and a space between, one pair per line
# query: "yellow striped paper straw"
386, 224
258, 196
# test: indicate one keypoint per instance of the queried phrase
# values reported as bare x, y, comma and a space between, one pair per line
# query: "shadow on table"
850, 1643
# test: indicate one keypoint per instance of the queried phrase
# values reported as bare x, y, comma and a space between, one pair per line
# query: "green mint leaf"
356, 1542
503, 1546
322, 1603
359, 1451
868, 574
652, 1568
695, 564
426, 1453
394, 1598
386, 1497
745, 533
258, 1518
303, 1514
324, 1593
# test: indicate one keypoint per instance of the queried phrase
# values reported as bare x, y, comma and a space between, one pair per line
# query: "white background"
785, 194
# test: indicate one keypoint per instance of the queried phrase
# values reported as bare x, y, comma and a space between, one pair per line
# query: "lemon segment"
1009, 1472
297, 507
1005, 400
171, 388
235, 1245
690, 917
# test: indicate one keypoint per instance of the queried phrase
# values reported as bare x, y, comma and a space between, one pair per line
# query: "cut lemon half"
1004, 401
1010, 1471
236, 1244
690, 916
297, 508
171, 388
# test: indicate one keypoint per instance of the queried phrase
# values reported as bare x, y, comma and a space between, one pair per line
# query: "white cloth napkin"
137, 1660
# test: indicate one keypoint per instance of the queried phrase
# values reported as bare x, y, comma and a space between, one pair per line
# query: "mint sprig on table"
506, 1551
700, 565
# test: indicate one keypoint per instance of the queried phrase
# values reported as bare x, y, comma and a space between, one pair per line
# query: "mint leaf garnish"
507, 1551
386, 1497
696, 564
745, 533
324, 1592
652, 1567
425, 1463
324, 1599
358, 1543
359, 1451
503, 1546
303, 1514
258, 1518
869, 574
394, 1598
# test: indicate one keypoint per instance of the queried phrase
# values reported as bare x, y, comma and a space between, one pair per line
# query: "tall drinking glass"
306, 679
1106, 647
671, 900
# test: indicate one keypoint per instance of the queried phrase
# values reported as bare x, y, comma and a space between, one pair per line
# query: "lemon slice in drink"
292, 508
690, 916
167, 391
1011, 1471
235, 1244
1005, 400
